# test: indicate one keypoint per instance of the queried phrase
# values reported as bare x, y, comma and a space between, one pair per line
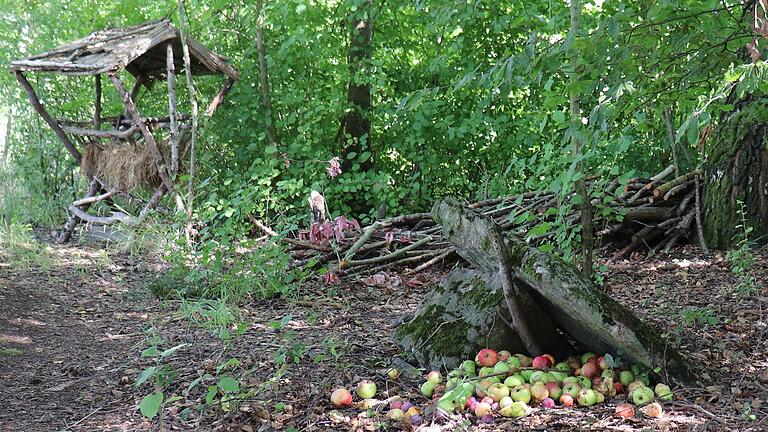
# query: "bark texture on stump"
736, 169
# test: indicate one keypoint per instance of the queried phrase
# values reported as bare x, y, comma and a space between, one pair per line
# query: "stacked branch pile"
646, 215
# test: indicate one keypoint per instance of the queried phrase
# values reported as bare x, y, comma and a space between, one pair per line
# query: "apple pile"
502, 384
507, 385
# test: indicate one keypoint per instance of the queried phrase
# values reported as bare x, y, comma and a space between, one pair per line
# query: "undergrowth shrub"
232, 272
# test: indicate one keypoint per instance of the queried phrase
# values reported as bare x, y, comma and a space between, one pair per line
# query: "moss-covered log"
593, 319
736, 170
462, 315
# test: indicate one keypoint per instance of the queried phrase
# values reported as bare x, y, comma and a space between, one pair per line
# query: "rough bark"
736, 170
356, 122
580, 309
266, 100
587, 229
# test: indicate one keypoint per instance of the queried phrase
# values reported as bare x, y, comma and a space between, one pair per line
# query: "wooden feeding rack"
150, 52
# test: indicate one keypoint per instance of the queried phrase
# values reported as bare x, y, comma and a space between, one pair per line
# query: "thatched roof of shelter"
140, 49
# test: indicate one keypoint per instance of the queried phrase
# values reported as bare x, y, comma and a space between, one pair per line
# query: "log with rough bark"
592, 319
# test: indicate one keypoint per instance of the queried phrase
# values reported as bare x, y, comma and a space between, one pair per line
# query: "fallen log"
580, 309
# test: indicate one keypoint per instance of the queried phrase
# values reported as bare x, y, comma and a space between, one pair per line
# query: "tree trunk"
587, 230
266, 100
736, 170
6, 138
357, 123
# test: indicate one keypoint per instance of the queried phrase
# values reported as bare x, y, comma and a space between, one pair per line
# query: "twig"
431, 262
357, 245
389, 257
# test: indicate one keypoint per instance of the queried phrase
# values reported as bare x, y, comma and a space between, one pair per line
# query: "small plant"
162, 374
699, 316
742, 258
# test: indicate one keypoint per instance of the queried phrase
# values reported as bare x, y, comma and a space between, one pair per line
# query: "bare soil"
71, 338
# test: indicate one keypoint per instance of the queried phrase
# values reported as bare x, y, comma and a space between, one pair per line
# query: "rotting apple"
624, 410
393, 373
428, 389
548, 403
525, 361
505, 401
653, 409
395, 414
504, 355
539, 392
341, 397
587, 356
566, 400
482, 409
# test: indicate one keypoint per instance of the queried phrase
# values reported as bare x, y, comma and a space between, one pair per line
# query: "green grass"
20, 249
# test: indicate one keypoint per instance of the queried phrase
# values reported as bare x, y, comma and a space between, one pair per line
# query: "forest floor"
74, 321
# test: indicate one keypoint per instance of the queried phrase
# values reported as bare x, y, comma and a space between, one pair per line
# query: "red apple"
551, 359
618, 387
487, 357
542, 362
548, 403
589, 370
566, 400
341, 397
624, 410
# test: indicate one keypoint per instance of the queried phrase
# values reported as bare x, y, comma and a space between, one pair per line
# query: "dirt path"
67, 334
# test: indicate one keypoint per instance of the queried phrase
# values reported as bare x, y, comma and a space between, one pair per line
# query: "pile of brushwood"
638, 215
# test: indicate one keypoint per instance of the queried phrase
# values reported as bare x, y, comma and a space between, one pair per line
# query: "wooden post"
135, 91
72, 221
97, 103
171, 78
130, 106
33, 99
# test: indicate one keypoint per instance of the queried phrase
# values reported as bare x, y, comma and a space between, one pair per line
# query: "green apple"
468, 367
626, 377
559, 377
505, 401
502, 368
600, 398
525, 361
563, 367
514, 362
497, 391
586, 356
517, 409
514, 381
428, 388
572, 389
554, 390
485, 371
584, 382
663, 392
366, 389
520, 393
634, 385
642, 395
526, 373
587, 397
571, 380
435, 376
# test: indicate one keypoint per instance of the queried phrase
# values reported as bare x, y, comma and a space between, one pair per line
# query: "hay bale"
128, 166
89, 164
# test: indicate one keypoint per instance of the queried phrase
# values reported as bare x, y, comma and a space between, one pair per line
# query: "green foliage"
742, 258
231, 272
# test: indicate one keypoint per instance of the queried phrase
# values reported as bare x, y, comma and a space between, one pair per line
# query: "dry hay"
123, 165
